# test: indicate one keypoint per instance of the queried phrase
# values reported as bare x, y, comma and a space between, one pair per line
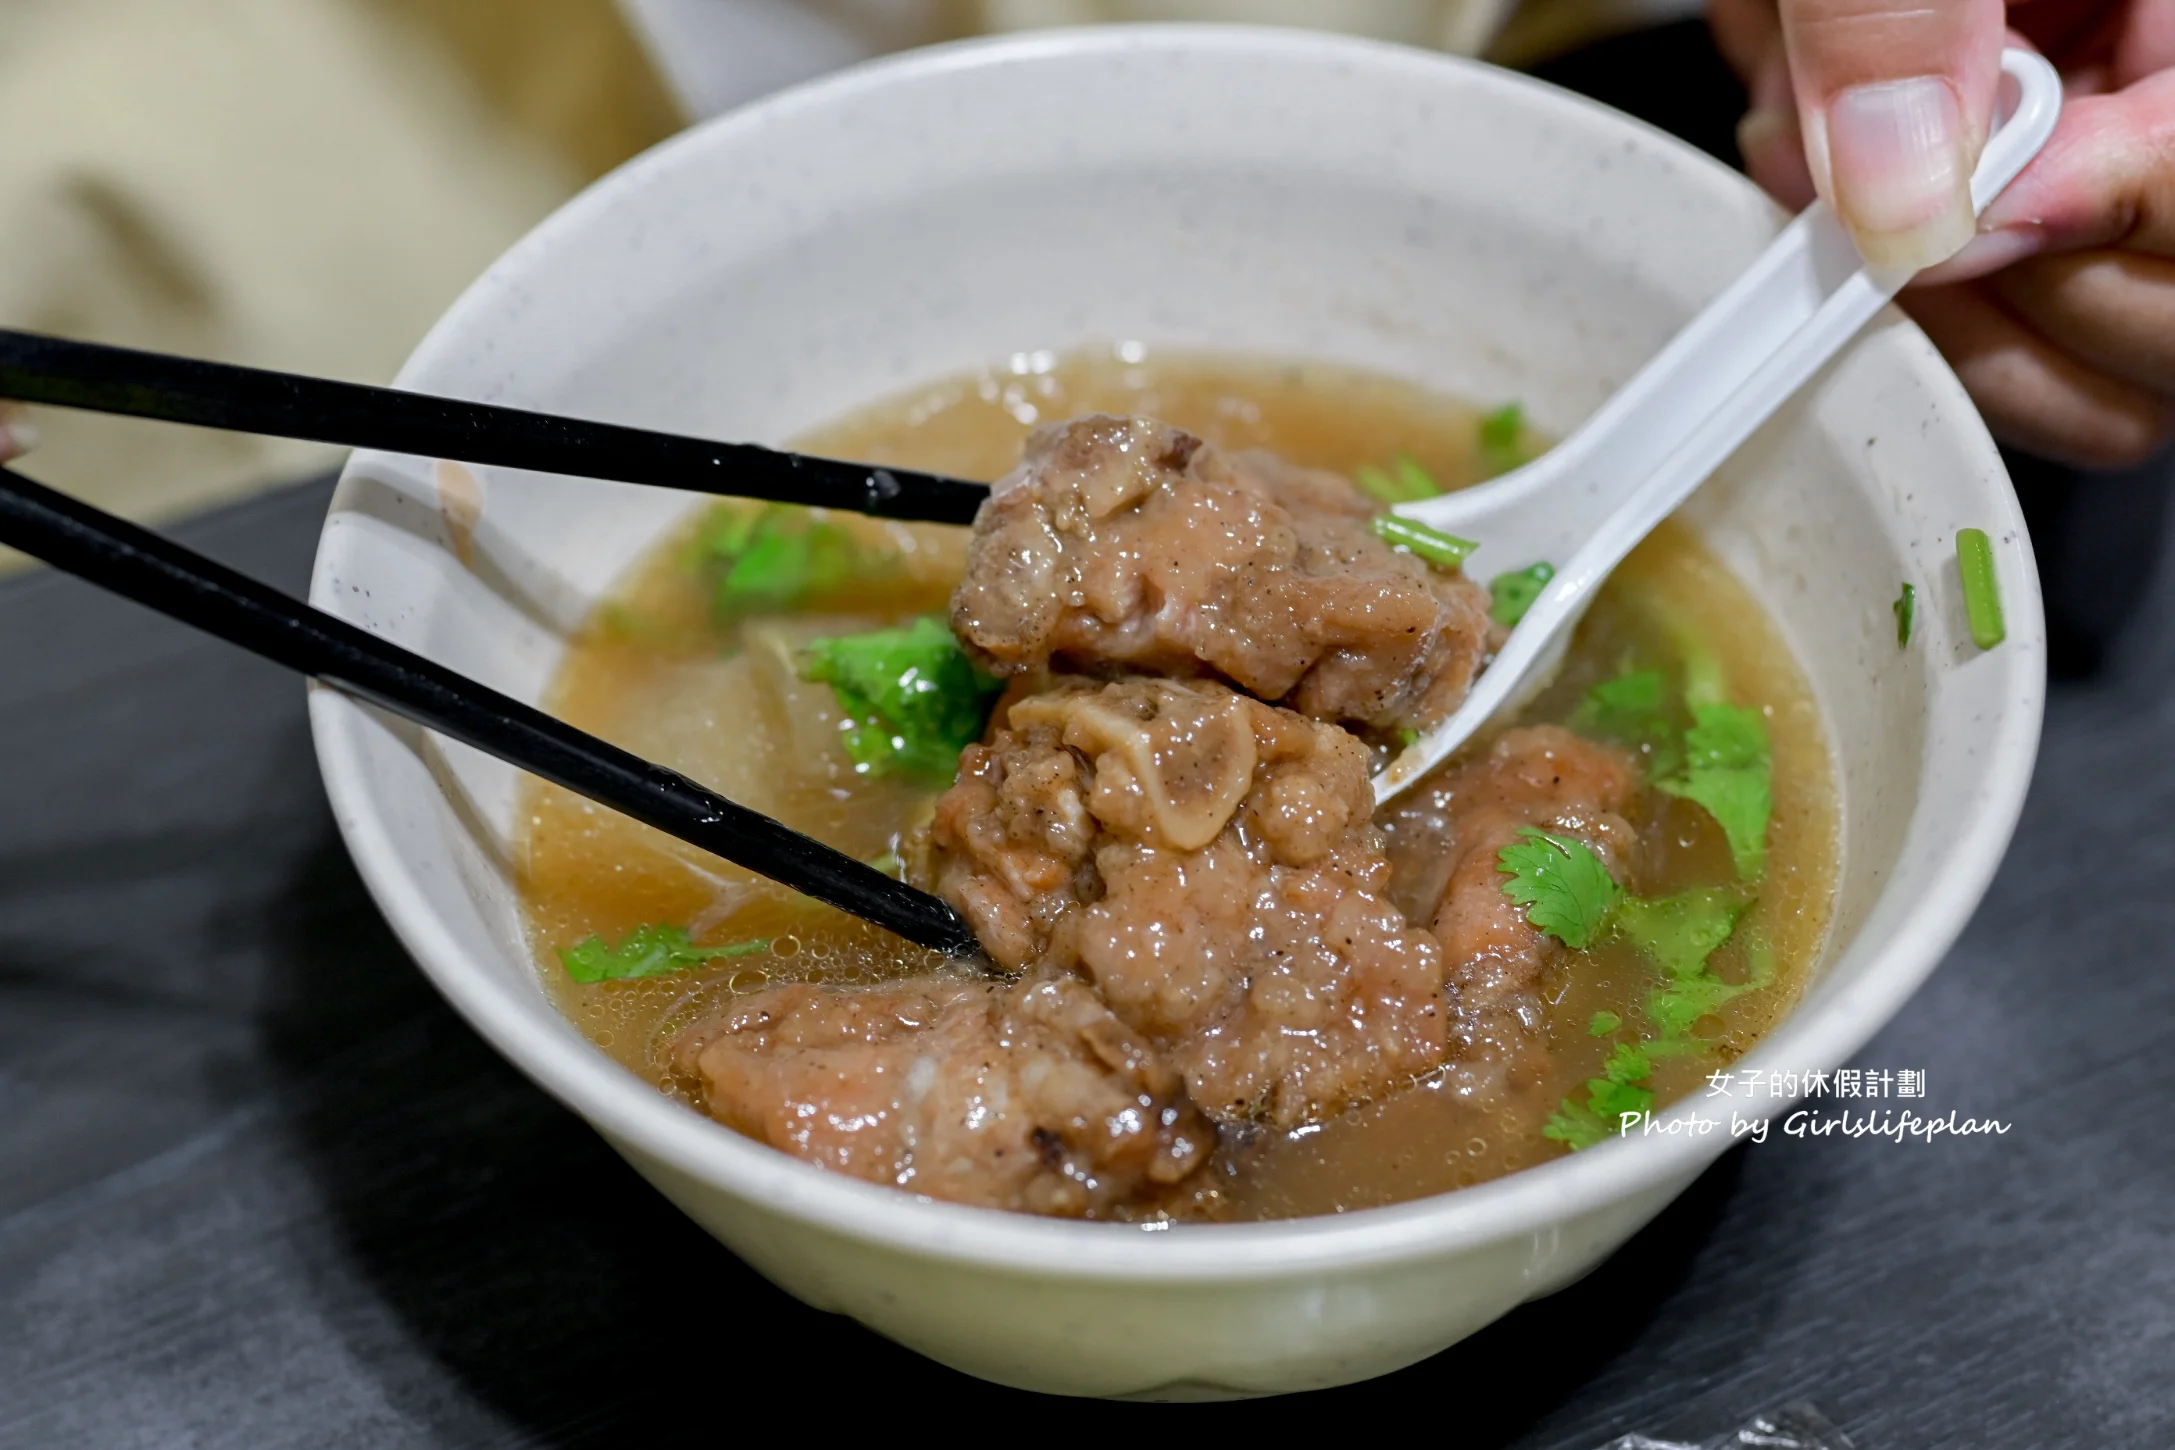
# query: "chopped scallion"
1444, 551
1906, 607
1513, 593
1402, 482
1982, 590
1376, 484
1502, 436
1416, 481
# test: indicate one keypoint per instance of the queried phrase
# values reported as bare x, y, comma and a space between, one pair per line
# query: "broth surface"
657, 673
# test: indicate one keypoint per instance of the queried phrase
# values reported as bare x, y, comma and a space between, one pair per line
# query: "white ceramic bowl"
1204, 188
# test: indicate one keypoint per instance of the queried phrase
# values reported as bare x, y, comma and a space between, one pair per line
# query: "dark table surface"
260, 1187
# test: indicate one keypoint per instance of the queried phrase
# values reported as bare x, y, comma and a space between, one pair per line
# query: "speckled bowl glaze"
1199, 188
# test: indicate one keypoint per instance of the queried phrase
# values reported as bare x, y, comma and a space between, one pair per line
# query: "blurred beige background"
298, 184
306, 184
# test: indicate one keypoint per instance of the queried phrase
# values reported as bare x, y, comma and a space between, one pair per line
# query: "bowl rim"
1821, 1031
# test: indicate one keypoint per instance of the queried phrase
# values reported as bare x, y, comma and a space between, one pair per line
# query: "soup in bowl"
1263, 1089
1275, 999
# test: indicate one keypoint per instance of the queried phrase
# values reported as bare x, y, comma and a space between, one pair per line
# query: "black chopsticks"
69, 374
154, 571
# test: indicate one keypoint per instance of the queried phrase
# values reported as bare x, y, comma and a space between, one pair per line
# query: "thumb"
16, 438
1895, 100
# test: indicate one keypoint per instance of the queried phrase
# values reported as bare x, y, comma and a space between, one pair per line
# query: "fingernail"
1989, 252
17, 438
1901, 170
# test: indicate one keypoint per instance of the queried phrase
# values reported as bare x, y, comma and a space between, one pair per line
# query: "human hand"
2057, 308
16, 439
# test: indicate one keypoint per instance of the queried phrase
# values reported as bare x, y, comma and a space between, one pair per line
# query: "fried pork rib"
1445, 835
1123, 544
1208, 863
1203, 915
1208, 924
1029, 1096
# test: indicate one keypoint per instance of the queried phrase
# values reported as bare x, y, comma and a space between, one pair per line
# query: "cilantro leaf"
1512, 594
778, 557
1564, 887
650, 950
1678, 1045
1608, 1098
1632, 710
1725, 737
1679, 932
912, 698
1628, 708
1627, 1064
725, 533
1610, 1101
1740, 801
1502, 438
1728, 770
1675, 1007
1576, 1126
